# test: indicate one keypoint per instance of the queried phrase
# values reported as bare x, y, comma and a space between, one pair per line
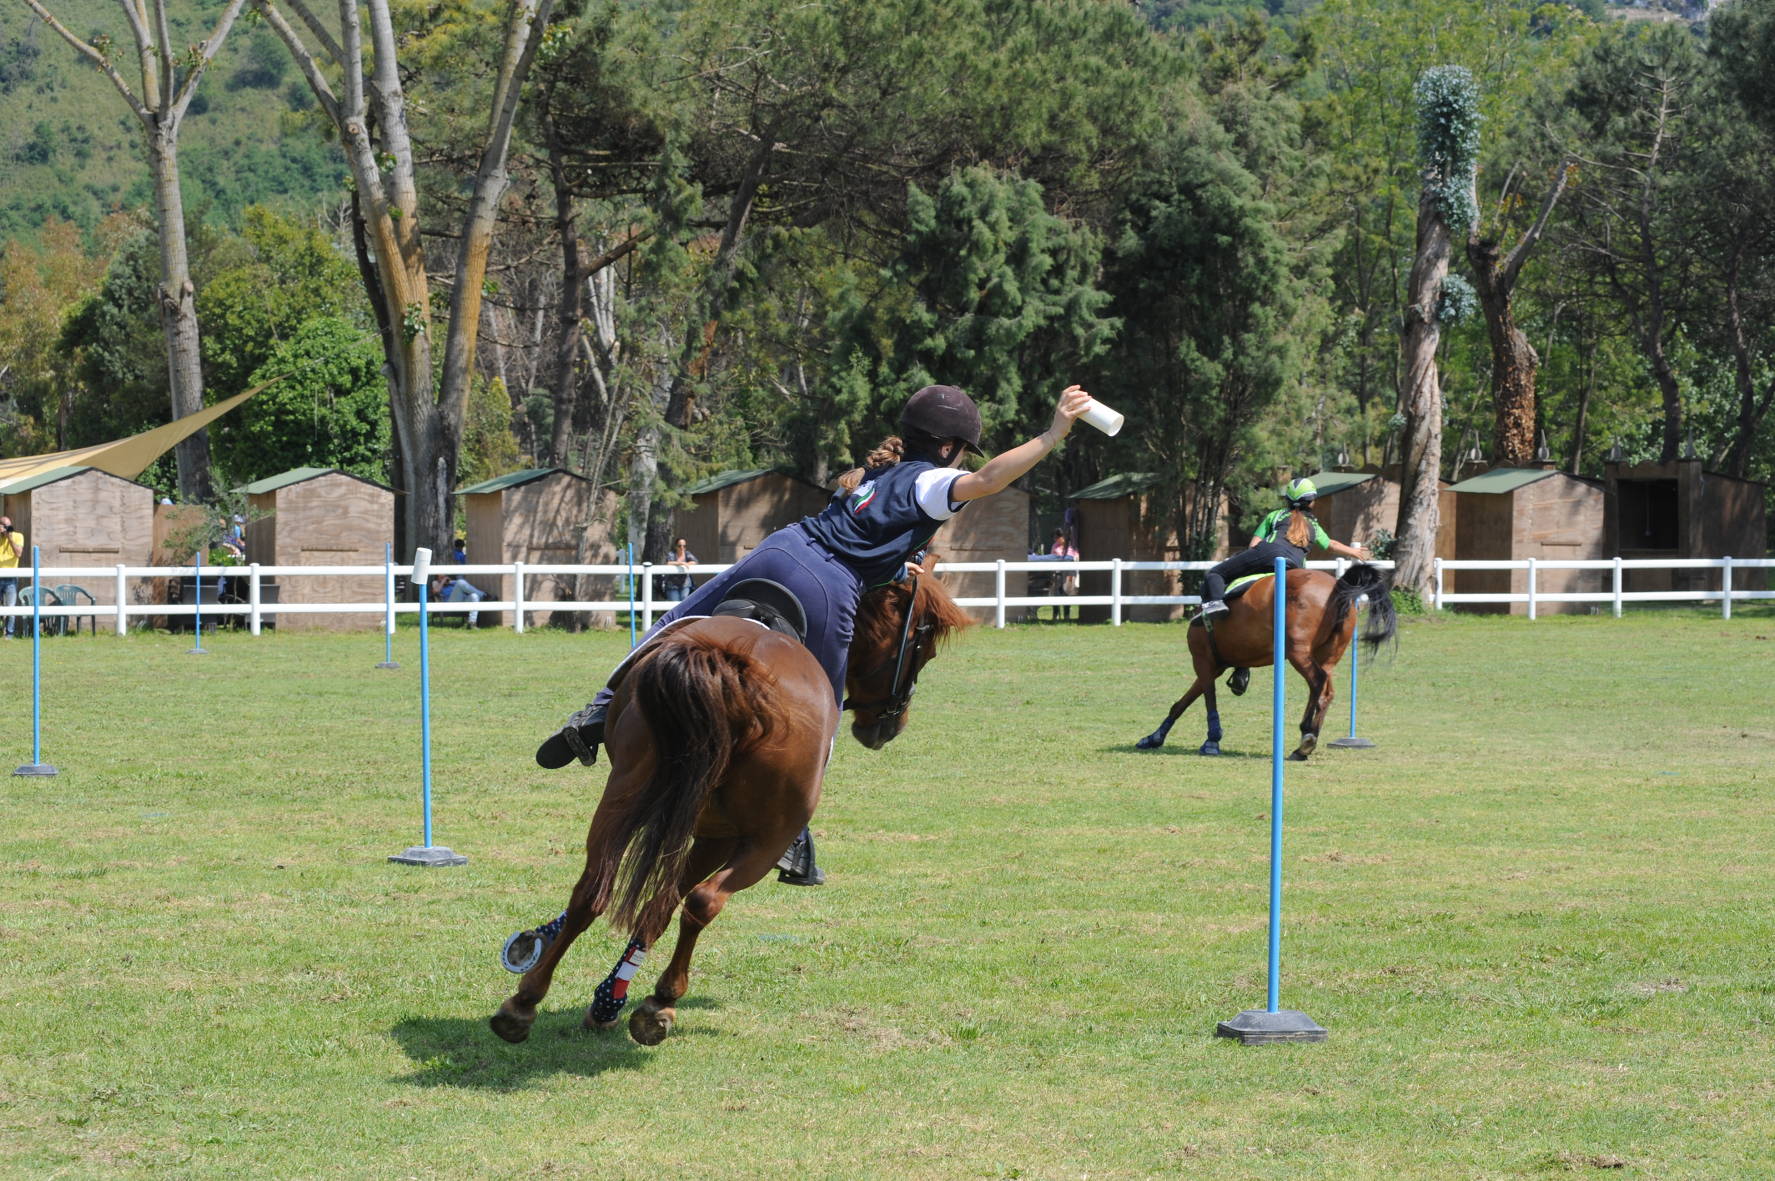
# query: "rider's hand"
1073, 402
913, 570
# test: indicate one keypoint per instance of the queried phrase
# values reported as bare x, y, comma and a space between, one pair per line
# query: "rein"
900, 695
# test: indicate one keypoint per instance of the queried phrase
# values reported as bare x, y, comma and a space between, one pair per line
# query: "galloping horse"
718, 739
1321, 621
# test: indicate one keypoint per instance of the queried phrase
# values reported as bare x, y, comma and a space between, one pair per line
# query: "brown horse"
1321, 621
718, 738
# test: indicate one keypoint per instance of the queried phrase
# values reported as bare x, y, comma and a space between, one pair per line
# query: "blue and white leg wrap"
613, 994
1213, 725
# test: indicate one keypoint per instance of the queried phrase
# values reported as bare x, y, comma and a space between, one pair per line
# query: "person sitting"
453, 588
1285, 533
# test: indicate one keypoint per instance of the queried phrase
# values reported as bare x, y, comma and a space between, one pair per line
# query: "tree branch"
210, 46
1513, 263
317, 82
320, 31
98, 59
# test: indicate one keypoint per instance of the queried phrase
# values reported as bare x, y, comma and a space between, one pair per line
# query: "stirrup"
1213, 607
1239, 681
796, 866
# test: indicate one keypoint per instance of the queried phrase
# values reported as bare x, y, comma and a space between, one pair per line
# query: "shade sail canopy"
124, 457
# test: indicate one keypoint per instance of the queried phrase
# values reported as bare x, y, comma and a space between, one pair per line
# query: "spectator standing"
1068, 583
12, 549
678, 585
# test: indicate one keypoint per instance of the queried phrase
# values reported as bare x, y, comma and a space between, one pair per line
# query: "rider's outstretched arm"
996, 474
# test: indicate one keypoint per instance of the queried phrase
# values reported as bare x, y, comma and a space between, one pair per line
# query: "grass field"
1535, 918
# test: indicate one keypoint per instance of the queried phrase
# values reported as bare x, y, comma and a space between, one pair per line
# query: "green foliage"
283, 273
996, 297
1448, 142
328, 408
1458, 301
1407, 601
117, 348
489, 448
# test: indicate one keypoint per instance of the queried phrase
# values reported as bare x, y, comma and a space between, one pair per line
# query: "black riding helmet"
940, 412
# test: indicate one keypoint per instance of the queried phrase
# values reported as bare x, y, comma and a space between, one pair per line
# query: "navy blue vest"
877, 528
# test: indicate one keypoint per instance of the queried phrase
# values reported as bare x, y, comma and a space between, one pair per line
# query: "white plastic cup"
421, 565
1102, 417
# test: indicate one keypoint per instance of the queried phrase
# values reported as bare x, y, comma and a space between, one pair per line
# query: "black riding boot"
580, 738
797, 863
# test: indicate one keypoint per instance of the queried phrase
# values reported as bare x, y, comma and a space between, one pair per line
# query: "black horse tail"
684, 689
1362, 579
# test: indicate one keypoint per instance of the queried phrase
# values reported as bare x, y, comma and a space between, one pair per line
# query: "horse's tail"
683, 689
1362, 579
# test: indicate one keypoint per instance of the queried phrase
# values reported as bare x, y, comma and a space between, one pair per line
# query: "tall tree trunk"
1514, 362
1753, 404
1420, 400
177, 299
1584, 396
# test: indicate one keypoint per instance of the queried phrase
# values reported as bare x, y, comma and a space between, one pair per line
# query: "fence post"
1617, 586
1531, 588
998, 592
253, 599
122, 607
1115, 593
518, 598
1726, 587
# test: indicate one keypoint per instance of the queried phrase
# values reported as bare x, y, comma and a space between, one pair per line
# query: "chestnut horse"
1321, 621
718, 739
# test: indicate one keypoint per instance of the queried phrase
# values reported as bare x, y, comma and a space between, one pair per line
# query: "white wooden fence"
254, 611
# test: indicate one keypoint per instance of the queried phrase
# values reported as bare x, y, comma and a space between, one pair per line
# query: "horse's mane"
878, 627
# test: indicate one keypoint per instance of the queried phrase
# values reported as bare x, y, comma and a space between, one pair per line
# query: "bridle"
899, 696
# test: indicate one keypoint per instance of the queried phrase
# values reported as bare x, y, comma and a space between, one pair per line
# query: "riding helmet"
1301, 491
942, 412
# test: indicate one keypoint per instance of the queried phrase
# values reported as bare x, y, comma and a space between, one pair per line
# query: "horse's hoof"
591, 1020
511, 1026
1209, 748
650, 1023
1150, 742
1308, 744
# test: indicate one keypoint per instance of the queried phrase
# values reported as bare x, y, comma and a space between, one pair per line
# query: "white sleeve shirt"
932, 489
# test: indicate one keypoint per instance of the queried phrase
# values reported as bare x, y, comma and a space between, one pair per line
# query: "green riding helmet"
1301, 491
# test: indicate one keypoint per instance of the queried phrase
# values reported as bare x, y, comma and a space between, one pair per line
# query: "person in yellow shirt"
12, 548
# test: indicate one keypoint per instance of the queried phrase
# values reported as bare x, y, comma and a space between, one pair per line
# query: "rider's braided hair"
890, 451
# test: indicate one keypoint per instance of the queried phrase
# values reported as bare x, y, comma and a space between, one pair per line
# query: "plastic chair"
71, 596
52, 624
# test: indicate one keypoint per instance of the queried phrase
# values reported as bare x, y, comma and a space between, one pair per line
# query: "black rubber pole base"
429, 856
38, 770
1258, 1027
1351, 743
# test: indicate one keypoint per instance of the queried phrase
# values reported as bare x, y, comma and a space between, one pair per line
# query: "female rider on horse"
874, 531
1285, 533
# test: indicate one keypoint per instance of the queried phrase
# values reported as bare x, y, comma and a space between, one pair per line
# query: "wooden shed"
541, 516
1513, 514
732, 511
316, 516
81, 516
1680, 510
986, 530
1355, 506
1117, 519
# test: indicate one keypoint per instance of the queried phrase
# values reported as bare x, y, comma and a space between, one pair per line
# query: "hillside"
70, 148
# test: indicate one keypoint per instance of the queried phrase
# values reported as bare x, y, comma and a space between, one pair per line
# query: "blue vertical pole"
425, 708
1355, 660
1279, 652
36, 659
197, 629
36, 767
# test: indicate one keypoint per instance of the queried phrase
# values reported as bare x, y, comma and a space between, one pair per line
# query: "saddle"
765, 602
1239, 587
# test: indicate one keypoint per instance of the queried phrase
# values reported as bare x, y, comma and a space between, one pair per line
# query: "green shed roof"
1117, 486
728, 479
284, 479
1504, 479
1329, 482
41, 478
513, 479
